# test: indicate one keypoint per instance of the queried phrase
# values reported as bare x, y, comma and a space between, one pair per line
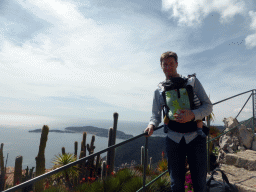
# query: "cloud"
193, 12
250, 40
55, 12
245, 110
17, 119
76, 56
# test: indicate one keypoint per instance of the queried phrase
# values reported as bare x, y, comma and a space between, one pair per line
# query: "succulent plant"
40, 159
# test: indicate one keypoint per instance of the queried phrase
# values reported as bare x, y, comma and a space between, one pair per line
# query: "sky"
71, 60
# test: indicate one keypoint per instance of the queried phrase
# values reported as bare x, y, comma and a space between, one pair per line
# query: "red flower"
47, 185
112, 173
162, 154
83, 179
107, 166
18, 182
93, 179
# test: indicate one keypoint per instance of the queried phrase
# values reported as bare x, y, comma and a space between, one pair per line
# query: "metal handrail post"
253, 111
244, 104
145, 164
208, 145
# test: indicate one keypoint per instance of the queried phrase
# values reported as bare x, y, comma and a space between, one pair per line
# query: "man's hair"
168, 54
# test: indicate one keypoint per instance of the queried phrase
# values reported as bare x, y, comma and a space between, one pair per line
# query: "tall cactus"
63, 151
28, 175
83, 146
97, 165
115, 116
76, 146
142, 155
83, 154
2, 176
103, 170
150, 163
90, 149
112, 141
18, 171
110, 152
40, 159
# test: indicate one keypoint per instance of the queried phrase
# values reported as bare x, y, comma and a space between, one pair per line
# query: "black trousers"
197, 159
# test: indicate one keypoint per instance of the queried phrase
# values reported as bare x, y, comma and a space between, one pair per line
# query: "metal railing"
143, 188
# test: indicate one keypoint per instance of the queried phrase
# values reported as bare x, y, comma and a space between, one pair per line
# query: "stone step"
244, 159
243, 179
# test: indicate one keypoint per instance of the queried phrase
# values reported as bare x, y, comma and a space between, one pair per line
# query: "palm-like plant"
212, 116
64, 159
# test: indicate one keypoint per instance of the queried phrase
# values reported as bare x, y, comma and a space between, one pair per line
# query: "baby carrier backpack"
178, 94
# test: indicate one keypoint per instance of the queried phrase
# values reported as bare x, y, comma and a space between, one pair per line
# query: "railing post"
208, 145
253, 111
145, 164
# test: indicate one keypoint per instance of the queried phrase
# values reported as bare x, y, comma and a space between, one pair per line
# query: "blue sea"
18, 141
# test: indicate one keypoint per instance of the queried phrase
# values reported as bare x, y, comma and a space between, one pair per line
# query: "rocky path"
240, 169
244, 180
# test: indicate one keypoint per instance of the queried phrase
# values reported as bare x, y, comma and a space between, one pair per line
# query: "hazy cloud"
250, 40
193, 12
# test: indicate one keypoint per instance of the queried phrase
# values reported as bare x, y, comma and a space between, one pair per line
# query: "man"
179, 144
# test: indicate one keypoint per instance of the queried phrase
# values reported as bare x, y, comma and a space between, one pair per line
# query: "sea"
19, 142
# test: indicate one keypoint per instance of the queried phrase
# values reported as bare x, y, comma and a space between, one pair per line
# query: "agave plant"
64, 159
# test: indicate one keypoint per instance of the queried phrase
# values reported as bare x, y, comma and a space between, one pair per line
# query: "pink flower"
186, 186
189, 191
189, 181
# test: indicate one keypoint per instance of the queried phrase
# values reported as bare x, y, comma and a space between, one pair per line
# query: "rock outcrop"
238, 139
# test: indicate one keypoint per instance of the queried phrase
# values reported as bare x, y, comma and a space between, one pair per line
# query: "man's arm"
156, 114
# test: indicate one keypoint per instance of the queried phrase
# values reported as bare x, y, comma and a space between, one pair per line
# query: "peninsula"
100, 132
53, 130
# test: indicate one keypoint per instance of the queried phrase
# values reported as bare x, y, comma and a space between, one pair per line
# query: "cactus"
112, 141
83, 146
142, 156
103, 170
63, 150
115, 115
28, 175
150, 163
2, 176
18, 171
82, 166
97, 165
40, 159
110, 152
76, 146
90, 149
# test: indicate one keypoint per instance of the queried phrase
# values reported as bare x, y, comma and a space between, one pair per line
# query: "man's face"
169, 66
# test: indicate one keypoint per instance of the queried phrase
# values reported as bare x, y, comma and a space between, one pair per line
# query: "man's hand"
150, 130
184, 116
